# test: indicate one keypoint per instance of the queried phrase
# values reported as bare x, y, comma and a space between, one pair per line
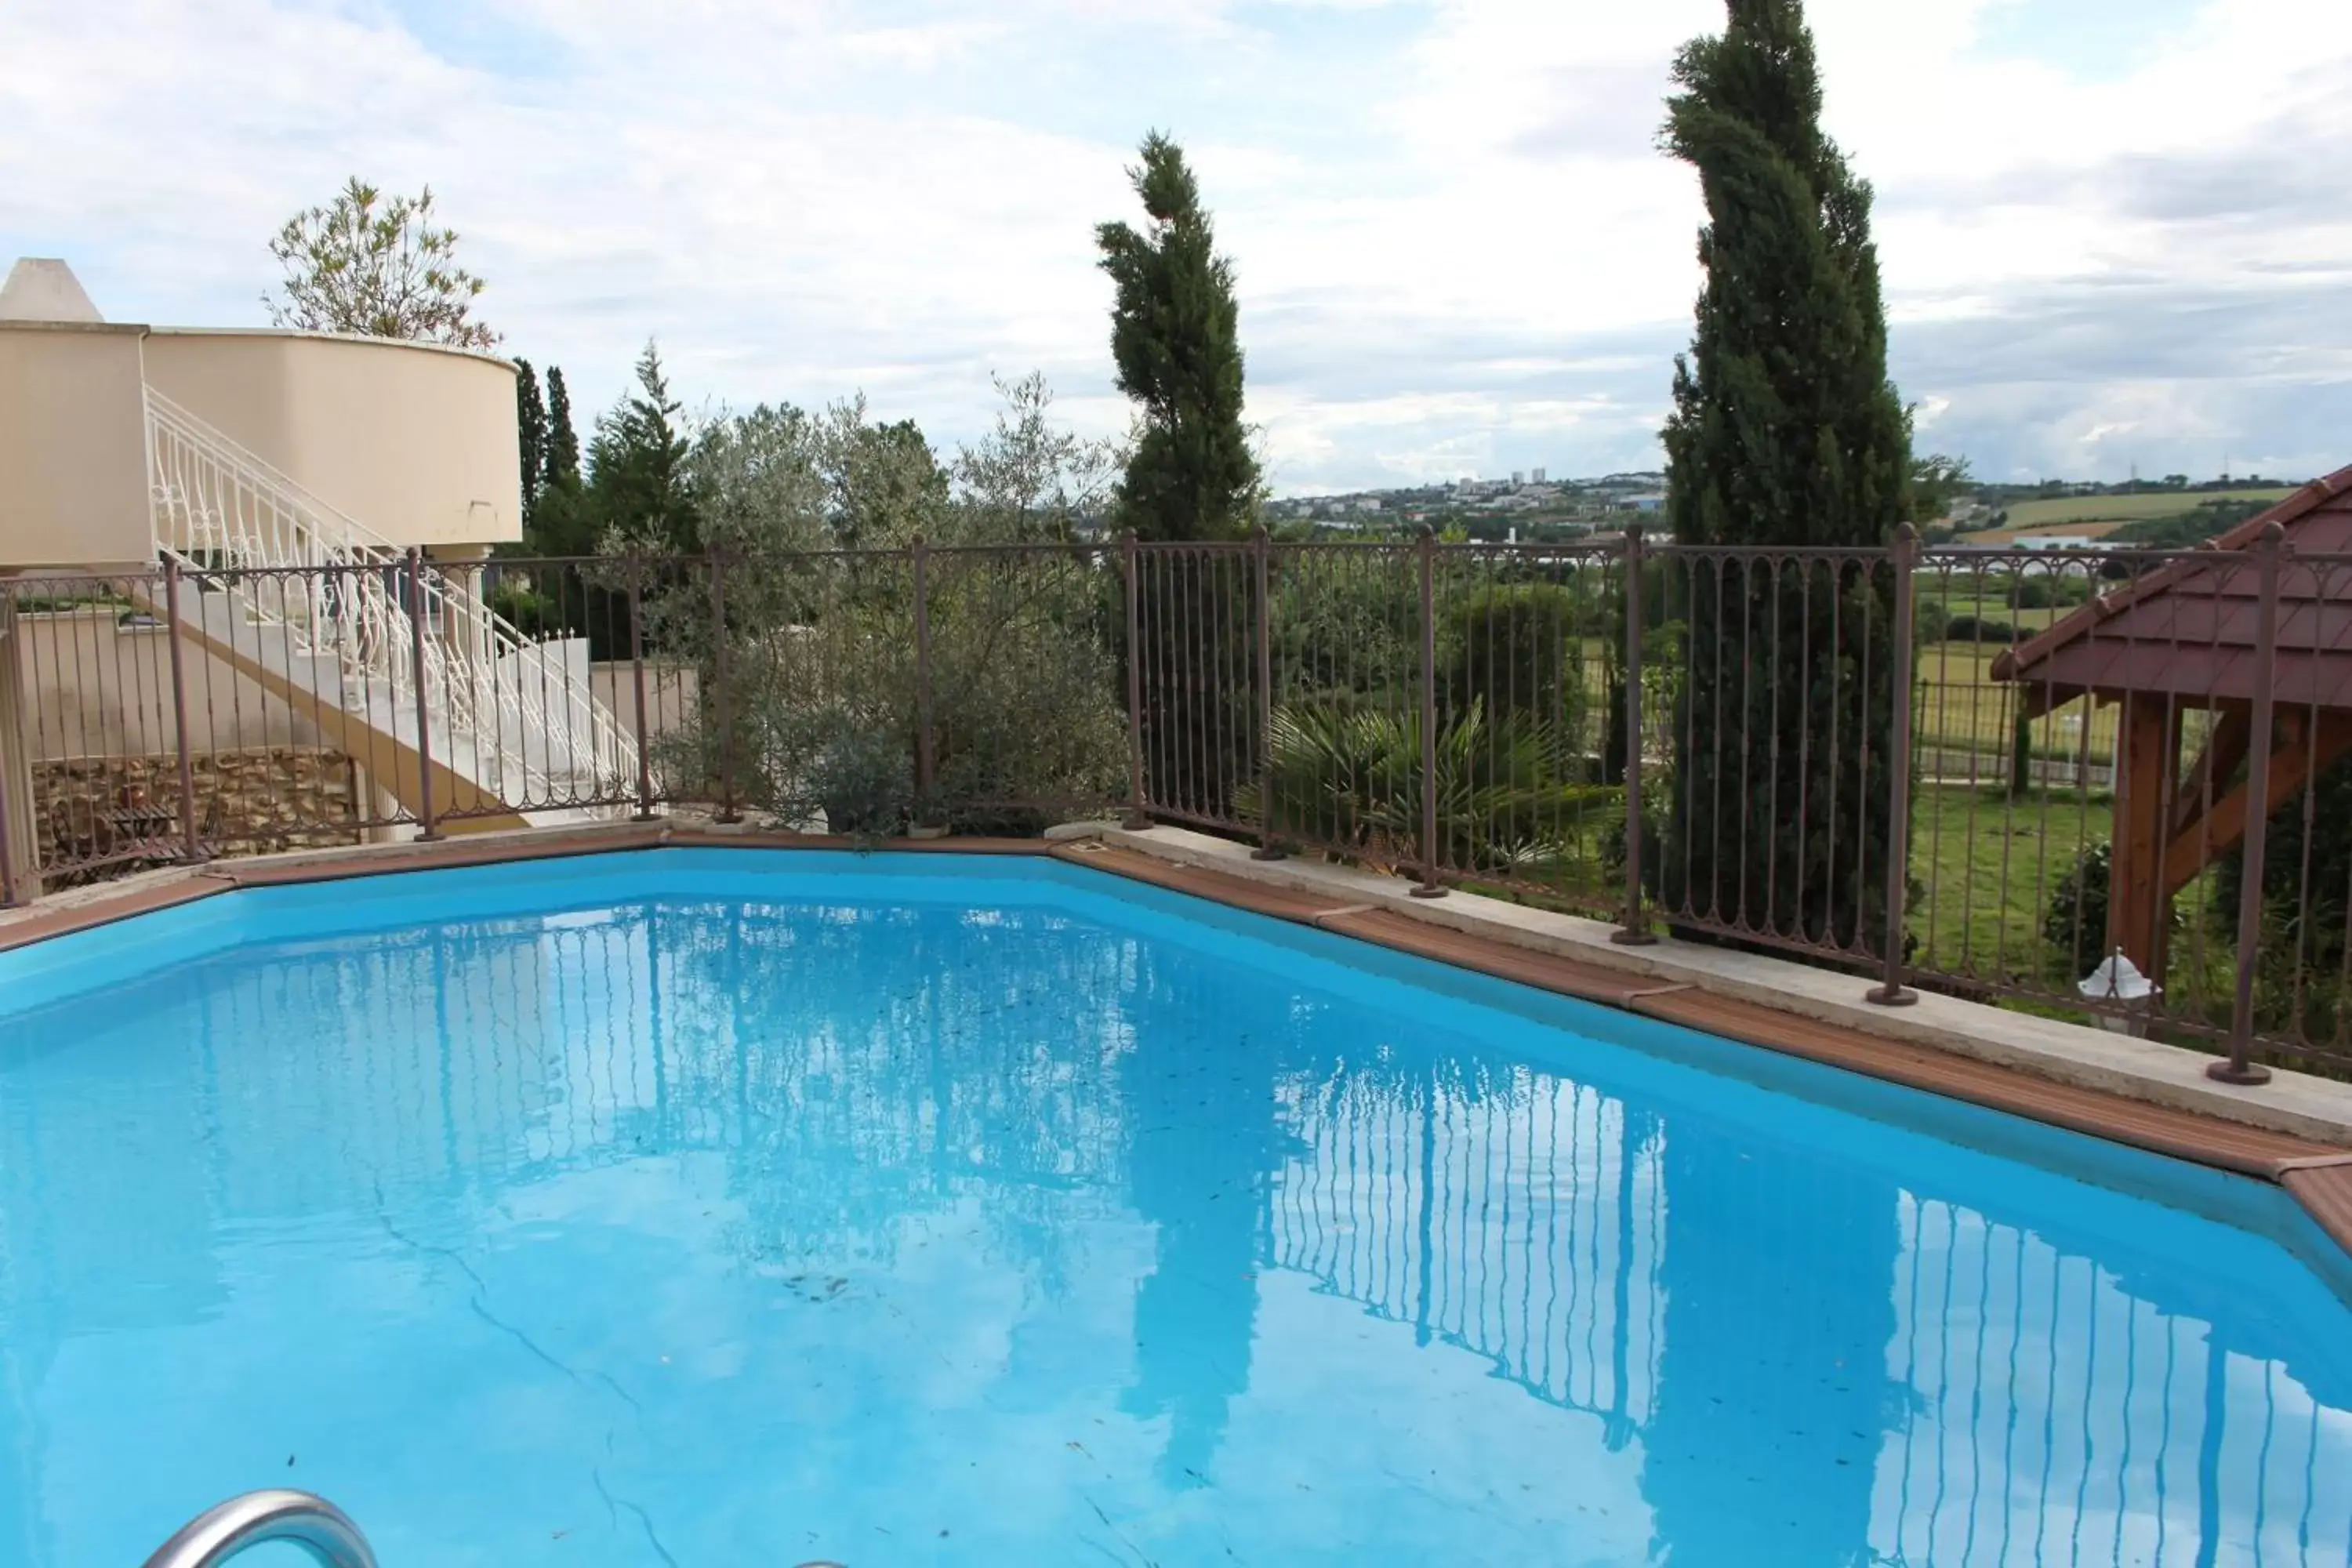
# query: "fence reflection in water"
2005, 1395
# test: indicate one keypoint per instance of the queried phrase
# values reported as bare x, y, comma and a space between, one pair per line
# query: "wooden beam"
2225, 753
2213, 834
2134, 915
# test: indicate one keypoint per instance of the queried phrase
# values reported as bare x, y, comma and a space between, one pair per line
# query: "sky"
2116, 235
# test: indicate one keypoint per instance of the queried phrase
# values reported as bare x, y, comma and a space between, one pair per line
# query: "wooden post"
2134, 891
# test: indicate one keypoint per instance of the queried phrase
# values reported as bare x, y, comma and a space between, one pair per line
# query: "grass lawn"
1989, 863
2032, 516
1963, 708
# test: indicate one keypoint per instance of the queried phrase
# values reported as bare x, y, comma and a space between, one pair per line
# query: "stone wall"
254, 800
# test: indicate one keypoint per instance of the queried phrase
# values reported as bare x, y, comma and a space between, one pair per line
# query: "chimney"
43, 288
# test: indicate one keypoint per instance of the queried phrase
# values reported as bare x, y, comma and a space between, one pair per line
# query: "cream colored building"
286, 475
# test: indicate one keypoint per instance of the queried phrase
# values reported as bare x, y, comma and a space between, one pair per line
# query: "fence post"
11, 744
2240, 1069
1268, 845
1429, 886
926, 758
1904, 560
1635, 931
192, 846
430, 831
718, 692
1137, 819
637, 683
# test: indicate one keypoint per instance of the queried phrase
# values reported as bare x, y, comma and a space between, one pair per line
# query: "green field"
2026, 516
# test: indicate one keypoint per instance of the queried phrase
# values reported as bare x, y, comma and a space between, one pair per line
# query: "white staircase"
316, 607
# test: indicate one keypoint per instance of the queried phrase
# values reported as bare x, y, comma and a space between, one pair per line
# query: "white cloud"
1457, 241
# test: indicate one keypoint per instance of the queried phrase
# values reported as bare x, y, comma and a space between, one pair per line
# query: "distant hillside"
2039, 516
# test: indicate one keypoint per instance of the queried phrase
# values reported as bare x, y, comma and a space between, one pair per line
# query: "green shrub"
2074, 923
1978, 629
1346, 622
862, 780
1516, 650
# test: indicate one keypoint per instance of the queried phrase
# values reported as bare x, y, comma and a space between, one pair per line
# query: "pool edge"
2317, 1175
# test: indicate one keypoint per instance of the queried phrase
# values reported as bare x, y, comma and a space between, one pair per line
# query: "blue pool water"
704, 1209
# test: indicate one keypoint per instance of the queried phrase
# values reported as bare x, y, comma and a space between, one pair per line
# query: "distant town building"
2058, 542
1540, 476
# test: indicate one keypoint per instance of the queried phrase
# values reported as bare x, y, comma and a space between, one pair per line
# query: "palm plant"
1347, 774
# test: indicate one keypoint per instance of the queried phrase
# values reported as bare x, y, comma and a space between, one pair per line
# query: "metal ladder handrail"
223, 1530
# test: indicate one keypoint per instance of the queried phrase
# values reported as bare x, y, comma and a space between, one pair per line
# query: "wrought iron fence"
1705, 740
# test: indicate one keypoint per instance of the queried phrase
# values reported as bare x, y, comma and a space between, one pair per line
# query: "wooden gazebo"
2187, 637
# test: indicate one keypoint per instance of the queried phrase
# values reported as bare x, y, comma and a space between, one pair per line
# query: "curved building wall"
415, 443
73, 447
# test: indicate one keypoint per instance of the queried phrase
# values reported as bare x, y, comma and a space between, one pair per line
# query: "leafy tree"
1031, 479
821, 666
379, 269
2182, 531
1785, 432
1175, 338
531, 433
887, 484
1937, 481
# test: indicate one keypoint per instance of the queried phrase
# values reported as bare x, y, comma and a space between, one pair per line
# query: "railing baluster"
718, 692
637, 690
1429, 886
424, 716
926, 759
2240, 1069
11, 742
1137, 818
193, 844
1635, 931
1268, 842
1905, 557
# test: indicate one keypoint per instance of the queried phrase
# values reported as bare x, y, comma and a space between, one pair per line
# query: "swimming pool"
691, 1208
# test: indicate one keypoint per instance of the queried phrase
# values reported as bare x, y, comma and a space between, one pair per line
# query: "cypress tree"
531, 433
1785, 433
638, 487
561, 461
1175, 337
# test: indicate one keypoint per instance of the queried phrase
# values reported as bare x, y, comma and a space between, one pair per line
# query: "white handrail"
335, 585
223, 1530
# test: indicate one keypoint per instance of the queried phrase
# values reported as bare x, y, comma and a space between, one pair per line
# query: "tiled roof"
2190, 627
